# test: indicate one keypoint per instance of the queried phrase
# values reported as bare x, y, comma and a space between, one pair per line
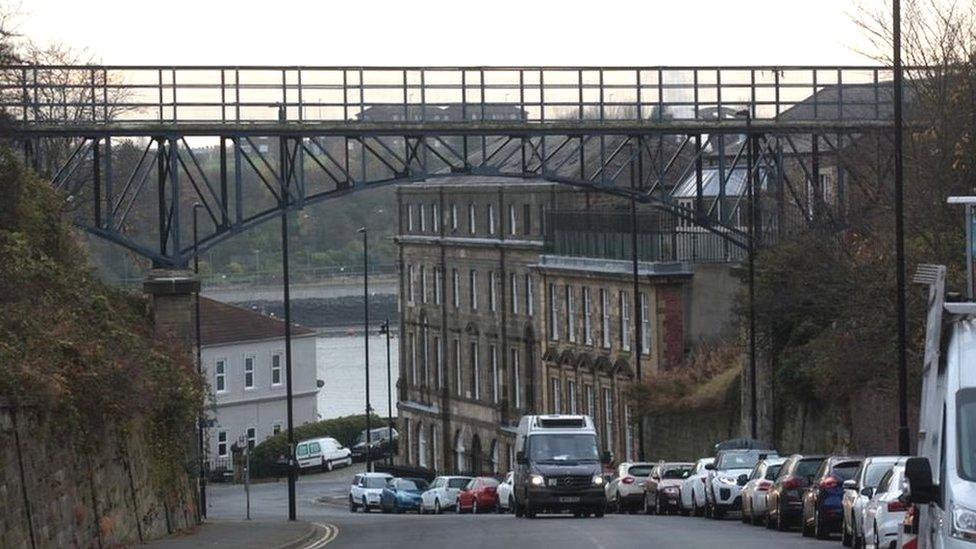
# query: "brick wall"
671, 298
55, 494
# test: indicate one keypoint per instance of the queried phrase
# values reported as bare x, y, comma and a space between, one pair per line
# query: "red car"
480, 494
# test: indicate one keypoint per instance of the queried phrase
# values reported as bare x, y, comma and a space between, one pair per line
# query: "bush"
264, 458
706, 380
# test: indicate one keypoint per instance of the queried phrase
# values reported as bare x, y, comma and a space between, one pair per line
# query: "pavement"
322, 503
233, 534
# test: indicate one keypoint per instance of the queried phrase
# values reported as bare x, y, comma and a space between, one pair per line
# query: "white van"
942, 481
325, 452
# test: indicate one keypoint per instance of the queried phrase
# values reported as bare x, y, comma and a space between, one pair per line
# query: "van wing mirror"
867, 492
520, 457
607, 457
921, 488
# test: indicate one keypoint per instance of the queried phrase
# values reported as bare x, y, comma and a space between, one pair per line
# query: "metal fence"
66, 94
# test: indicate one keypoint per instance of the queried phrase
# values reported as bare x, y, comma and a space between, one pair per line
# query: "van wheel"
517, 509
365, 505
328, 465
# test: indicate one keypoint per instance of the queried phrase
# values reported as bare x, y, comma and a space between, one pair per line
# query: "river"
341, 367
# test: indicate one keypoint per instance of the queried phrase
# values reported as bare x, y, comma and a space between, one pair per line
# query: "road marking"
331, 532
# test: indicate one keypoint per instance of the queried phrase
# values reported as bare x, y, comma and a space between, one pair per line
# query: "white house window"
435, 218
421, 446
456, 287
473, 289
491, 219
458, 382
513, 283
409, 283
275, 369
454, 217
410, 217
276, 428
605, 318
556, 390
607, 419
570, 315
252, 437
423, 218
516, 379
492, 293
553, 312
587, 317
589, 404
220, 374
512, 221
571, 396
475, 371
645, 325
472, 221
529, 296
495, 381
222, 444
423, 284
624, 321
249, 372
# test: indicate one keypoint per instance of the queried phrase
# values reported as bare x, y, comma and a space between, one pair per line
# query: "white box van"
325, 452
942, 481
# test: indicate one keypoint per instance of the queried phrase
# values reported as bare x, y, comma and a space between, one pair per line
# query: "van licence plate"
572, 499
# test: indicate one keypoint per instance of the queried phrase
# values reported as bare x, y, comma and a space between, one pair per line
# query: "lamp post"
365, 233
286, 297
904, 446
385, 330
753, 407
196, 322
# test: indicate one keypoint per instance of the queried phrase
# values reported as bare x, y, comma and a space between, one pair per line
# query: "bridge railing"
71, 94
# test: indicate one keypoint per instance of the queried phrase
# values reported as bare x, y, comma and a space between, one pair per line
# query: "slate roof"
222, 323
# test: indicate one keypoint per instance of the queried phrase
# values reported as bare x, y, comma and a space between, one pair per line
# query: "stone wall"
55, 494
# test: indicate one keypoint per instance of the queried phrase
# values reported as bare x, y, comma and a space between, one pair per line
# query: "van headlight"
963, 523
536, 480
597, 480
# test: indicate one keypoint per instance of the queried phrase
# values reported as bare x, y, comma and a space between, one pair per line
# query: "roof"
222, 323
736, 183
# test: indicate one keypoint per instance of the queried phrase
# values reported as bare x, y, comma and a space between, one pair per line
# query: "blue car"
823, 510
402, 494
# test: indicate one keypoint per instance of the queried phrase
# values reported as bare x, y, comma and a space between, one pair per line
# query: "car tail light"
763, 485
627, 480
791, 483
896, 506
828, 483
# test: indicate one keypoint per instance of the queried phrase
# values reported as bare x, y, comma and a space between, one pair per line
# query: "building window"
412, 349
553, 313
252, 437
629, 434
425, 355
587, 317
275, 429
495, 381
275, 369
421, 445
435, 218
475, 372
454, 218
472, 221
456, 287
570, 315
220, 374
423, 218
556, 392
624, 321
516, 379
529, 296
492, 293
410, 217
607, 420
526, 219
438, 286
222, 444
513, 289
458, 373
512, 221
605, 318
423, 284
571, 396
409, 283
473, 289
542, 219
491, 219
438, 363
645, 325
249, 372
589, 404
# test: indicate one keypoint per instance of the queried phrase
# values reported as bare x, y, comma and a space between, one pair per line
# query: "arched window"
494, 457
421, 445
459, 463
435, 448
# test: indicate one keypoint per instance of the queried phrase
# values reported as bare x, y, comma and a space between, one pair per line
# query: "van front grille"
568, 482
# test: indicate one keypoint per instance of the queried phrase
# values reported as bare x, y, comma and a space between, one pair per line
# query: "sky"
453, 32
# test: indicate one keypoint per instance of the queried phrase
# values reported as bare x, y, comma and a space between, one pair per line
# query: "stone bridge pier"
172, 292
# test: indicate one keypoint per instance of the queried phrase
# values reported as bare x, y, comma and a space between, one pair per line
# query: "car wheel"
717, 514
352, 505
657, 506
517, 508
877, 539
474, 506
365, 506
781, 524
511, 504
847, 539
529, 511
437, 506
598, 513
805, 529
647, 506
819, 531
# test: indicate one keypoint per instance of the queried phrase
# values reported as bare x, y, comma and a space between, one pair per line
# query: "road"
332, 287
321, 498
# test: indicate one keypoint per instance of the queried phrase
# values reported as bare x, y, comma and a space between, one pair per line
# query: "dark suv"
784, 501
822, 509
380, 444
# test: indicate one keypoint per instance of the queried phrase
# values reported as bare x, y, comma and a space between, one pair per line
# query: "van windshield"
966, 432
563, 448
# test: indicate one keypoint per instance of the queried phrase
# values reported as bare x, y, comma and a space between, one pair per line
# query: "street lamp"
904, 445
369, 463
196, 311
385, 330
753, 408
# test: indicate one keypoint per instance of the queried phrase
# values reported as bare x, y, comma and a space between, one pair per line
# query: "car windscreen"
966, 432
875, 471
845, 470
407, 484
773, 471
640, 470
560, 448
807, 467
675, 473
737, 460
375, 482
458, 482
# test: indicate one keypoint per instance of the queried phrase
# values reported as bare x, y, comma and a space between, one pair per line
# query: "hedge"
264, 458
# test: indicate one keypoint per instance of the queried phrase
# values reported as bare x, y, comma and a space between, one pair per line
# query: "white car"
442, 494
506, 498
693, 488
885, 512
324, 452
754, 492
723, 486
626, 491
366, 490
857, 491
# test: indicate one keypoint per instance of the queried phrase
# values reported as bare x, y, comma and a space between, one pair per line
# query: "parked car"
366, 490
480, 494
662, 491
625, 492
324, 452
692, 490
885, 511
755, 490
784, 501
726, 477
380, 444
506, 499
402, 494
442, 494
908, 536
857, 491
822, 508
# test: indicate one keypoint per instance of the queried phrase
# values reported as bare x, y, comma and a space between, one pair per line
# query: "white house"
243, 356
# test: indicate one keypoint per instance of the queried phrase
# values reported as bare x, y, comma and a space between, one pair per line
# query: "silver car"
726, 477
857, 492
365, 491
754, 492
693, 489
442, 494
